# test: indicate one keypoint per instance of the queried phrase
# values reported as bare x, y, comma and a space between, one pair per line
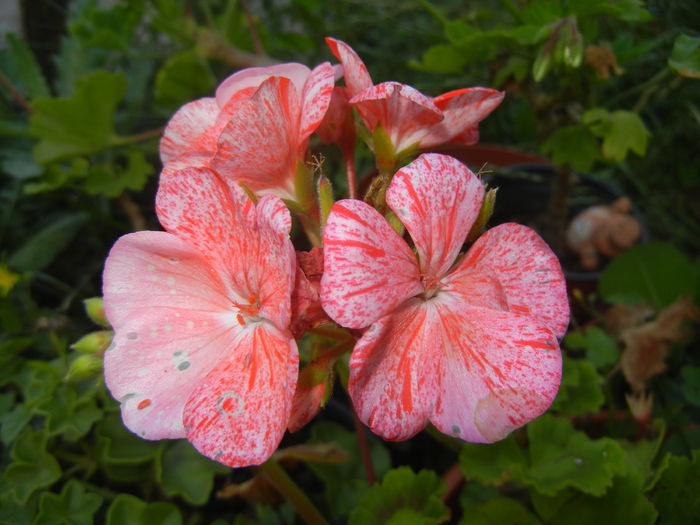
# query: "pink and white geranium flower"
411, 119
201, 312
256, 129
468, 344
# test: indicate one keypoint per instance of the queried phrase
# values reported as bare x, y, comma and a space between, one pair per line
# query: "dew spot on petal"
183, 366
150, 268
456, 429
132, 335
190, 325
144, 404
230, 404
173, 260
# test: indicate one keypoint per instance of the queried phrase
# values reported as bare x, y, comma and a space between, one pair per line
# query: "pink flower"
201, 312
467, 343
411, 119
257, 127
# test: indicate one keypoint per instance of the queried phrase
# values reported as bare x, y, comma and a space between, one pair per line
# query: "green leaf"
112, 179
581, 388
12, 423
184, 77
561, 457
26, 68
68, 415
623, 502
657, 273
573, 145
32, 468
621, 131
79, 125
676, 493
685, 57
44, 246
499, 511
691, 384
641, 454
183, 471
442, 59
124, 456
399, 490
601, 349
73, 506
39, 381
129, 510
345, 482
492, 462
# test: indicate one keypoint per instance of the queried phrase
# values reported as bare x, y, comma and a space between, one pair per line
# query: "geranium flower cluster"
207, 313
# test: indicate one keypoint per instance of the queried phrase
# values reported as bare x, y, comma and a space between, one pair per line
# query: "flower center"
247, 312
431, 285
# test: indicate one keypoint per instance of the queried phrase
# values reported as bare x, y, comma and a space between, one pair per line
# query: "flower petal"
316, 97
404, 112
368, 268
246, 246
253, 77
463, 110
393, 371
529, 275
166, 309
239, 414
437, 198
357, 78
259, 145
498, 371
188, 130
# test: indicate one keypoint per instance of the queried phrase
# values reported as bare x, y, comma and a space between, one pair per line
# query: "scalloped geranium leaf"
574, 146
32, 468
624, 502
183, 471
499, 511
641, 455
73, 506
124, 455
580, 389
676, 493
130, 510
69, 415
492, 462
13, 422
562, 457
685, 57
622, 131
79, 125
345, 482
402, 489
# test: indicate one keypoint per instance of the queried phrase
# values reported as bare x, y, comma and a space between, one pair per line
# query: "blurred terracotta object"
603, 230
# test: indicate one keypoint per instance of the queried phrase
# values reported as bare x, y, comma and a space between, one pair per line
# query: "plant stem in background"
365, 453
558, 204
285, 485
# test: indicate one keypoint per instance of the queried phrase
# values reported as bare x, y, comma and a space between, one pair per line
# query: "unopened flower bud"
487, 207
93, 343
384, 151
84, 367
95, 309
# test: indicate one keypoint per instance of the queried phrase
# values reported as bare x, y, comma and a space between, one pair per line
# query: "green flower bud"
93, 343
95, 309
84, 367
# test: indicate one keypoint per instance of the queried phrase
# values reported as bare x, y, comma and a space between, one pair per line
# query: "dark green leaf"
685, 57
580, 390
183, 471
561, 457
32, 468
79, 125
13, 423
73, 506
657, 273
691, 384
111, 179
69, 415
441, 59
574, 146
676, 493
27, 68
399, 490
492, 462
129, 510
182, 78
43, 247
499, 511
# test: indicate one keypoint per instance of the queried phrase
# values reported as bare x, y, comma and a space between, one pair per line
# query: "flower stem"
350, 171
364, 450
285, 485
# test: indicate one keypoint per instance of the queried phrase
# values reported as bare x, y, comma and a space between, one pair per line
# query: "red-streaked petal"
357, 78
529, 274
404, 112
275, 212
393, 371
244, 245
172, 324
437, 198
259, 145
239, 414
316, 97
188, 128
498, 371
368, 268
463, 110
253, 77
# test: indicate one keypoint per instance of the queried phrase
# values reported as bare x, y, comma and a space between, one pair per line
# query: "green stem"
292, 493
138, 137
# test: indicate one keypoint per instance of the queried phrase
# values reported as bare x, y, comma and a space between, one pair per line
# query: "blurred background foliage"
610, 88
